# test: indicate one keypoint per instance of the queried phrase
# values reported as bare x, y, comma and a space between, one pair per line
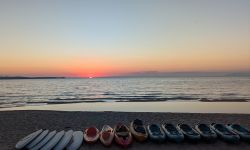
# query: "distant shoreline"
145, 74
11, 78
114, 77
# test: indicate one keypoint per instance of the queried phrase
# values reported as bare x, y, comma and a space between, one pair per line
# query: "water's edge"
176, 107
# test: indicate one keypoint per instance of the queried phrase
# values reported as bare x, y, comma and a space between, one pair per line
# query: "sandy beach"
16, 124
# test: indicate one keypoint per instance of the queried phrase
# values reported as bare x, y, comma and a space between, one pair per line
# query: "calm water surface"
52, 91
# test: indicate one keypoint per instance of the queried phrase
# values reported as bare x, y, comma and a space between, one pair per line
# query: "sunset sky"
111, 37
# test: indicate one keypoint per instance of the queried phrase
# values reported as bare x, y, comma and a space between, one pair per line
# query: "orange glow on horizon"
82, 39
100, 66
97, 67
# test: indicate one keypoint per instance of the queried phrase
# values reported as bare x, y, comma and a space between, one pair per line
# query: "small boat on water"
107, 135
189, 133
173, 134
91, 135
138, 130
241, 131
225, 133
156, 133
206, 132
123, 136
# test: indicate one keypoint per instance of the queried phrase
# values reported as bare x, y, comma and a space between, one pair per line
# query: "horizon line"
138, 74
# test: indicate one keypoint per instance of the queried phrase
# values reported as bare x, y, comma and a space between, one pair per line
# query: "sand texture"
17, 124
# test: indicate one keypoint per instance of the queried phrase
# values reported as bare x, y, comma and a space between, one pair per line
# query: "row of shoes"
123, 135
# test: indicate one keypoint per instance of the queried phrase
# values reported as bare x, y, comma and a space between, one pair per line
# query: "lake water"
56, 91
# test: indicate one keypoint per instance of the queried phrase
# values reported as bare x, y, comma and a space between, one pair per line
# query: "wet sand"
173, 107
16, 124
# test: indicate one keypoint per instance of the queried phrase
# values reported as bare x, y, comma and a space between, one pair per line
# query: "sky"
101, 38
